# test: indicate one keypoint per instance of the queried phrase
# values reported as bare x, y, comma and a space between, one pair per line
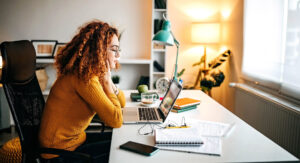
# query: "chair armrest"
65, 153
102, 124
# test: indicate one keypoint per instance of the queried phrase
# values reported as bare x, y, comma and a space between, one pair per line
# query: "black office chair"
26, 101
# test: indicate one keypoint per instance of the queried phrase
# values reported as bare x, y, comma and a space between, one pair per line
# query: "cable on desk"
169, 124
146, 133
183, 121
152, 128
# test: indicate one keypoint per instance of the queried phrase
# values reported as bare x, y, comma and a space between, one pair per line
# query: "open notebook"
187, 140
178, 137
211, 146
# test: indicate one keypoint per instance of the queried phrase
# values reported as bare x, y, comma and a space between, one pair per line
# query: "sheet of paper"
206, 128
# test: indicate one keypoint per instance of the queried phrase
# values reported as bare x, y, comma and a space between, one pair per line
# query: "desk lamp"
166, 37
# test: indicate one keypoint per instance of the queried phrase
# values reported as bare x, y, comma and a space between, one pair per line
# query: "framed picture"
58, 47
44, 48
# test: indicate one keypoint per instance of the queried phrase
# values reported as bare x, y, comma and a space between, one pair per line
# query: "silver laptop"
151, 114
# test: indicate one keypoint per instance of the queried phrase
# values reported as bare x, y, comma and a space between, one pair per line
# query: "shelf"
158, 73
160, 10
159, 50
122, 61
135, 61
45, 60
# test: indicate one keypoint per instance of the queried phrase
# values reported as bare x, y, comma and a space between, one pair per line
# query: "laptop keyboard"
147, 114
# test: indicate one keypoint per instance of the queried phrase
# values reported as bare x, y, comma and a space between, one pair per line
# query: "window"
272, 44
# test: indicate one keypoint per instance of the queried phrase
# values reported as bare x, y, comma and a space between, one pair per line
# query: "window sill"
281, 100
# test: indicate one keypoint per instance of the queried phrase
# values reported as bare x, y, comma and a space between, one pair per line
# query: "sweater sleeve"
121, 98
107, 107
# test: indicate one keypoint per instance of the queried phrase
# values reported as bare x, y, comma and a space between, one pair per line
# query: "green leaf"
205, 89
180, 73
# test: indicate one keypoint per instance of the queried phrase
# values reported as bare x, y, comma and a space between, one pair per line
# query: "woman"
83, 88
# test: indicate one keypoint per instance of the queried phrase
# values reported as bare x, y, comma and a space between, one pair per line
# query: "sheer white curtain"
291, 68
272, 44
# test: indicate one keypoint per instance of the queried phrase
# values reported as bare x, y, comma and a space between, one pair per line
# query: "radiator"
277, 119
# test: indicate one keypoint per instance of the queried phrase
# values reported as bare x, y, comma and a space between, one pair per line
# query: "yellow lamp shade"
205, 33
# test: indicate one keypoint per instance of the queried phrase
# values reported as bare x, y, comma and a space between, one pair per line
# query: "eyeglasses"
117, 52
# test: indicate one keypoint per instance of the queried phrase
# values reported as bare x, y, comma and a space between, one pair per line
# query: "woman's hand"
107, 82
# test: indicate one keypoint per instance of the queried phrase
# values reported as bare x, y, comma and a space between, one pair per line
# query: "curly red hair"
86, 53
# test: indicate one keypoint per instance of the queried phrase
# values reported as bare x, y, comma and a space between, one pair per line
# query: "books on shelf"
160, 4
178, 137
185, 102
158, 66
158, 25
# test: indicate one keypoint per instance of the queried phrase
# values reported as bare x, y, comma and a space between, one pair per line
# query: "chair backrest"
23, 93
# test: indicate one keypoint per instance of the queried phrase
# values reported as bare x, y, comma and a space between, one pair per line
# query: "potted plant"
211, 77
116, 80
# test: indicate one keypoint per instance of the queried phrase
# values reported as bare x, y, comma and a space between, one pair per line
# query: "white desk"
243, 144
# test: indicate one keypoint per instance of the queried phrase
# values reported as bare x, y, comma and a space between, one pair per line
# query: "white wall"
54, 19
182, 14
233, 39
59, 20
229, 14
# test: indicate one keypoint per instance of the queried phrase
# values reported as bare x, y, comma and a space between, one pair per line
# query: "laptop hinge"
161, 115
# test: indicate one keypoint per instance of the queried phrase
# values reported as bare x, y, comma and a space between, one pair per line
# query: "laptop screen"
170, 98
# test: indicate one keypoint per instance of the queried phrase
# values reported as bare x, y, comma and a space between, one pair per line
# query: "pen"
177, 127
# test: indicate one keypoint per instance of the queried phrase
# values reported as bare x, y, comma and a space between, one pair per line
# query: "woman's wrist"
108, 88
116, 90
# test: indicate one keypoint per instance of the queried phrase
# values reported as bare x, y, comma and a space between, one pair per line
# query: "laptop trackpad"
130, 115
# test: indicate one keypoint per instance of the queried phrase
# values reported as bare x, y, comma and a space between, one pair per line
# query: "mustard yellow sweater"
70, 107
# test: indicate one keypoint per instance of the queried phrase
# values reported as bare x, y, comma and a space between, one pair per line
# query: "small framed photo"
44, 48
58, 47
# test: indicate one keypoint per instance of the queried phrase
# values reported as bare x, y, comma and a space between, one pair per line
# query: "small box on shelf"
157, 46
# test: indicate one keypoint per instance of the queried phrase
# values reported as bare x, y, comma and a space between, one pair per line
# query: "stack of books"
185, 104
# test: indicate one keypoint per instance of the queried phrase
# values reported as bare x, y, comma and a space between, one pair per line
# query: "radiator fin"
273, 120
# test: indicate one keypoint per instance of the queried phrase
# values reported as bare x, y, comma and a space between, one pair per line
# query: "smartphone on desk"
139, 148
